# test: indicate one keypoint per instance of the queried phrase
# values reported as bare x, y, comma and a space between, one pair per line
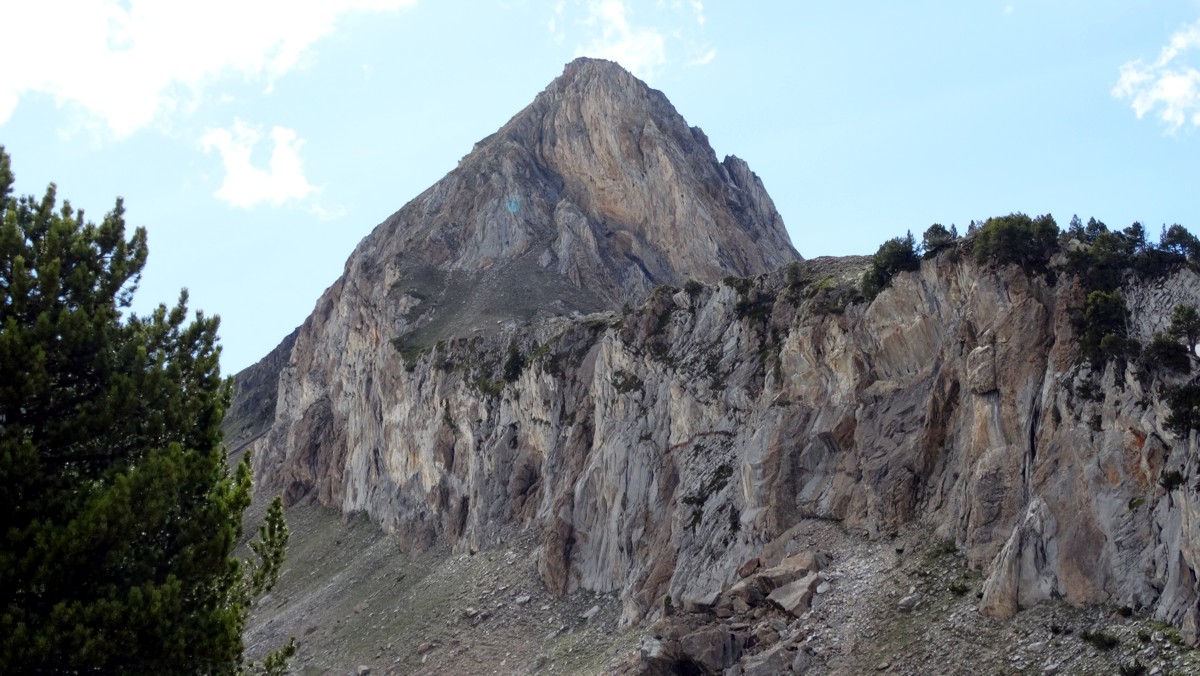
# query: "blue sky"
259, 140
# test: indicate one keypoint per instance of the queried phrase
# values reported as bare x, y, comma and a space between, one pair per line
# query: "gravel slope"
355, 601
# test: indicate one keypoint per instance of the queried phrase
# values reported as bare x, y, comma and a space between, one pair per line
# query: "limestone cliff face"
584, 201
449, 386
657, 451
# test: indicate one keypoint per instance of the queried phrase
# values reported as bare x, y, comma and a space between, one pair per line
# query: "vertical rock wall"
655, 451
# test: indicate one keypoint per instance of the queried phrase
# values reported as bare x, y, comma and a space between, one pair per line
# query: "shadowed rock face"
439, 387
256, 387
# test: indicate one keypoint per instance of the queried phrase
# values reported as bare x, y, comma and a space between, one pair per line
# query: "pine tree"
1185, 324
898, 254
937, 238
119, 513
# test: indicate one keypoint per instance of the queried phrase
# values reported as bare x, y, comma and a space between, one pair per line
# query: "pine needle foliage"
119, 513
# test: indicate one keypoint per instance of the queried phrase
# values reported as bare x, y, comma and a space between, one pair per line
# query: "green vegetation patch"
896, 255
1017, 238
1100, 639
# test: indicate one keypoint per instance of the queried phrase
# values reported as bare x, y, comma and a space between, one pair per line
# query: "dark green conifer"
1185, 324
119, 513
898, 254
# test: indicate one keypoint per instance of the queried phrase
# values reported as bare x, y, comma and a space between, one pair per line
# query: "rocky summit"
598, 414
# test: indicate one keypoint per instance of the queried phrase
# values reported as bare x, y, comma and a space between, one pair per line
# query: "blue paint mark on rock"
513, 203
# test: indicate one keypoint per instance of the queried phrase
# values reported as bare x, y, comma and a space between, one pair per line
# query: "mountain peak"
584, 67
586, 200
586, 73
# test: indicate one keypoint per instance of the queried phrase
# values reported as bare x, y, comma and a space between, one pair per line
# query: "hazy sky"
260, 140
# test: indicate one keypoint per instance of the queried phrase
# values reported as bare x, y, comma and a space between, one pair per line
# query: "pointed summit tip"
584, 65
585, 69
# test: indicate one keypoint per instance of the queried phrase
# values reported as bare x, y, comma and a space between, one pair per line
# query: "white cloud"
1168, 86
246, 185
555, 23
131, 63
640, 49
331, 213
644, 40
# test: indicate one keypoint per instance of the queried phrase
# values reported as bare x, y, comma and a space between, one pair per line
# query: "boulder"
771, 662
699, 603
808, 561
802, 661
909, 603
795, 597
711, 648
749, 567
748, 590
765, 636
790, 569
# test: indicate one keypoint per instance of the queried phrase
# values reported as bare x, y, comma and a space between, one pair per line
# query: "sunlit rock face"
474, 370
586, 200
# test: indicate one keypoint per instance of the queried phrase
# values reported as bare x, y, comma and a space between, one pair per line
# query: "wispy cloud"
644, 40
641, 49
1169, 87
555, 22
246, 185
331, 213
130, 63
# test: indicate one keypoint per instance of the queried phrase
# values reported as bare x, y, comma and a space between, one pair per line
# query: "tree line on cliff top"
1100, 260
